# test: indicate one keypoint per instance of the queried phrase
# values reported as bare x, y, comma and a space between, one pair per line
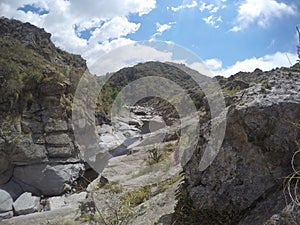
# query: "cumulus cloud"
265, 63
213, 64
185, 6
113, 29
66, 20
261, 12
128, 55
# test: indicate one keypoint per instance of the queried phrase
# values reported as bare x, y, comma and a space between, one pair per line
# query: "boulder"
63, 201
254, 158
26, 204
49, 180
6, 215
6, 201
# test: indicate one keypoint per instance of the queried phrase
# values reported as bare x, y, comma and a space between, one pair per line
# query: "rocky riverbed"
150, 178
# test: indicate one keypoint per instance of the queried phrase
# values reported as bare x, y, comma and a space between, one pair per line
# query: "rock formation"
244, 184
38, 153
39, 157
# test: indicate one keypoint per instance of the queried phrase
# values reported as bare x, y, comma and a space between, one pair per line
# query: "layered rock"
38, 152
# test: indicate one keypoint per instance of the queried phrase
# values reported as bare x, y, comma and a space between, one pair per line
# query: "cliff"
37, 82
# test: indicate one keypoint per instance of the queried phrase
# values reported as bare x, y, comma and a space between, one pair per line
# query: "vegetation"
122, 205
24, 69
113, 186
154, 156
296, 67
121, 78
136, 197
66, 222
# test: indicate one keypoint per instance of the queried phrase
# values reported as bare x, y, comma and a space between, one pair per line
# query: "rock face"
248, 172
38, 152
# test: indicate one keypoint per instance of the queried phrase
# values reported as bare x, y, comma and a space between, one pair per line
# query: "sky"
228, 36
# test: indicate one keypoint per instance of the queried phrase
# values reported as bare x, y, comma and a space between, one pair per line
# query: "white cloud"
213, 64
260, 12
133, 53
264, 63
185, 6
204, 6
115, 28
93, 54
211, 10
160, 28
128, 56
107, 18
214, 9
112, 8
212, 20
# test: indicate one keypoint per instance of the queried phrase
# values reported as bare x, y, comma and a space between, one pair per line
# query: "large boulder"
46, 179
6, 201
63, 201
255, 156
26, 204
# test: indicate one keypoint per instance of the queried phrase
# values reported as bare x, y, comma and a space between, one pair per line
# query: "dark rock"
48, 180
58, 139
6, 169
61, 152
13, 188
52, 88
290, 215
247, 175
56, 126
26, 152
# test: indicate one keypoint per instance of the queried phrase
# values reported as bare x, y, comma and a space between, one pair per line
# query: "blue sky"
229, 36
